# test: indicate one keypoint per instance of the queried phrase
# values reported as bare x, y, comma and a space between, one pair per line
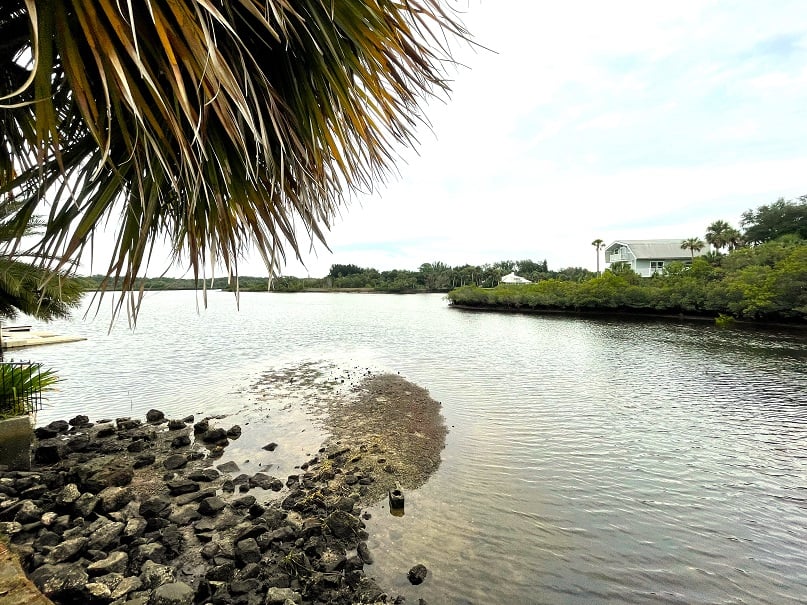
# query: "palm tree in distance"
598, 245
693, 244
717, 234
216, 127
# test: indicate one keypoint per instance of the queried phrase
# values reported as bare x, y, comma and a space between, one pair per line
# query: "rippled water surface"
587, 461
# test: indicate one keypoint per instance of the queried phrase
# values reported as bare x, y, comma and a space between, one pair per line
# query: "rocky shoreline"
131, 512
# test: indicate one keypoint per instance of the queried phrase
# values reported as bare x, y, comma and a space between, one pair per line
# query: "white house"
512, 278
648, 256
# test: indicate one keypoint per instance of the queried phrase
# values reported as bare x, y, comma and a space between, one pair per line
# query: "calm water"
588, 460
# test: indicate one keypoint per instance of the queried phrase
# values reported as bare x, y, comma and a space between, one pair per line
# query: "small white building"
648, 256
512, 278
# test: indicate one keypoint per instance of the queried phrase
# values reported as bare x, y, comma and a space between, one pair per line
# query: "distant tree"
771, 221
717, 233
344, 270
734, 239
693, 244
598, 245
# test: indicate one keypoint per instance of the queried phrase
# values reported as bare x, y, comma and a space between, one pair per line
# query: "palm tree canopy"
716, 234
598, 243
28, 285
694, 244
215, 126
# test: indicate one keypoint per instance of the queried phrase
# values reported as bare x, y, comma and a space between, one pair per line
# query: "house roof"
512, 278
654, 248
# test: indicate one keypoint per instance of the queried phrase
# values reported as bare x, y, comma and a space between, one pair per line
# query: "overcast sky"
591, 120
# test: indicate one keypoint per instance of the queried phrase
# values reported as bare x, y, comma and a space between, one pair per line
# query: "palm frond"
218, 125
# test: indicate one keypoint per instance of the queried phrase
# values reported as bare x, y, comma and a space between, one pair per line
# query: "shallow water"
587, 460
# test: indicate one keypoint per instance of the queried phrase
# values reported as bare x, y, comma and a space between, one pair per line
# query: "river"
587, 460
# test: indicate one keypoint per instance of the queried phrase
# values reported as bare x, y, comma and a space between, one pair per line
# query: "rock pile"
135, 513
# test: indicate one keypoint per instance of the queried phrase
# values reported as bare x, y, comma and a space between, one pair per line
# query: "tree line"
762, 275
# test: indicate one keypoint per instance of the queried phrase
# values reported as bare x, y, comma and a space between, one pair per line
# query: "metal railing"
20, 388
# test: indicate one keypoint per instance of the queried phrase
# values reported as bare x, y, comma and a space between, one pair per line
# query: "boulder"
66, 550
106, 535
79, 421
151, 507
180, 441
247, 551
234, 432
417, 574
61, 583
85, 504
114, 563
182, 486
228, 467
205, 475
176, 425
114, 498
173, 593
144, 459
278, 596
215, 436
49, 451
155, 575
175, 461
155, 416
211, 506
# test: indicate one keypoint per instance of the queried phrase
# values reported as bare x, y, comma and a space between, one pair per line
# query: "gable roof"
654, 248
512, 278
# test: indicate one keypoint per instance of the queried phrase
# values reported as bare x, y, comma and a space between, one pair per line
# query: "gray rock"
134, 528
154, 575
368, 591
180, 441
184, 516
201, 426
175, 593
247, 551
364, 552
270, 447
115, 563
234, 432
114, 498
69, 494
10, 528
126, 585
105, 536
342, 524
66, 550
60, 582
49, 451
153, 506
184, 499
144, 460
211, 506
79, 421
228, 467
278, 596
85, 504
204, 475
153, 551
176, 425
27, 512
98, 591
182, 486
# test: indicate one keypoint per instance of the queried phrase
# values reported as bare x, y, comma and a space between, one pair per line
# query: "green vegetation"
763, 282
20, 384
430, 277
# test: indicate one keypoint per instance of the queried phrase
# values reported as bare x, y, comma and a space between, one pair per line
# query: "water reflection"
587, 460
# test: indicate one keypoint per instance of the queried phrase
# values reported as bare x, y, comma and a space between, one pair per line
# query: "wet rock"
174, 593
215, 436
155, 575
194, 496
234, 432
367, 591
211, 506
175, 461
176, 425
115, 476
278, 596
79, 421
342, 525
155, 416
417, 574
364, 552
105, 431
185, 516
270, 447
264, 481
204, 475
177, 487
61, 583
127, 424
79, 443
180, 441
136, 446
201, 427
115, 563
228, 467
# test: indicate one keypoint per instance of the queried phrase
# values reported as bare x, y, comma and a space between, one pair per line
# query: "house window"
656, 266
